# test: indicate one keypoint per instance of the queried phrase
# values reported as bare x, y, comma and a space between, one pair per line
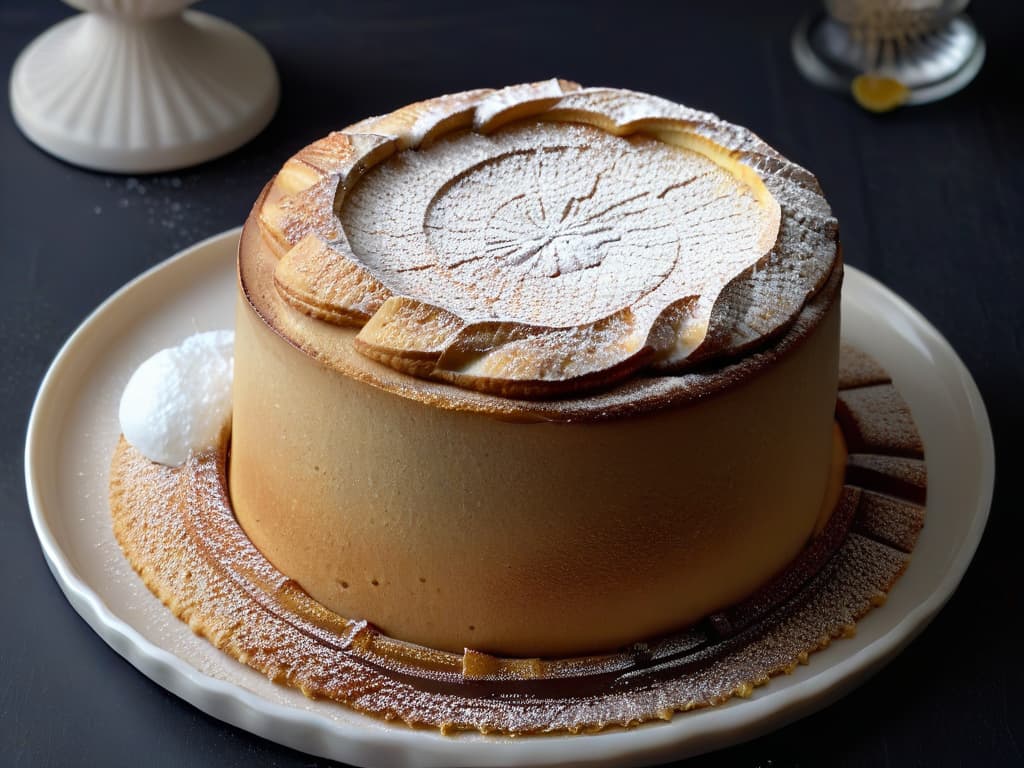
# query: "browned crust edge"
305, 195
643, 394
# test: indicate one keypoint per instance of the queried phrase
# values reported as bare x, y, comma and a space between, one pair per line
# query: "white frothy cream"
178, 401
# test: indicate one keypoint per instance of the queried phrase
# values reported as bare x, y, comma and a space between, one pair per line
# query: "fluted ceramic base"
142, 96
932, 66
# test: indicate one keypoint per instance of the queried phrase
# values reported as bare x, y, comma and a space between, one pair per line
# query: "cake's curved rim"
637, 396
320, 274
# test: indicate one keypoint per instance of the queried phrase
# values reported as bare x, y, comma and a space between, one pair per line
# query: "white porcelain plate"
74, 428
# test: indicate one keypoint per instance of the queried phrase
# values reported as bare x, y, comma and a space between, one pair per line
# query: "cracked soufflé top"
544, 241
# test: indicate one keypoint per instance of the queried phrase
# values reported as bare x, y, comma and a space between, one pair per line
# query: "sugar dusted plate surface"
74, 428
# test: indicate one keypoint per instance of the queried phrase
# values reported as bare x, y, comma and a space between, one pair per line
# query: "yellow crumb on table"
877, 93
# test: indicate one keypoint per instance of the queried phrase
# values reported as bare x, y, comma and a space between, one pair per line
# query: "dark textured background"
930, 200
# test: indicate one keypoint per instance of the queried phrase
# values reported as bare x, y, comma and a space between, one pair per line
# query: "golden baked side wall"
456, 529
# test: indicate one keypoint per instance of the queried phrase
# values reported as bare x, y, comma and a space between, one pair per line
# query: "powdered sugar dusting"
496, 106
621, 110
559, 207
890, 520
553, 226
878, 421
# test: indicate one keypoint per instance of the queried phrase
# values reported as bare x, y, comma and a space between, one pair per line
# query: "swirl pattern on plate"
178, 530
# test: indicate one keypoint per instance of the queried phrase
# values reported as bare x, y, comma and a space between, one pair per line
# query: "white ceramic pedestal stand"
138, 86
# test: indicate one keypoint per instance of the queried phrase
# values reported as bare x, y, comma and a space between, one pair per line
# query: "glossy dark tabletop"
930, 201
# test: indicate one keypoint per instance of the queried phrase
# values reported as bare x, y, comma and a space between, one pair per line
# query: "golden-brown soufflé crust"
177, 528
448, 235
479, 308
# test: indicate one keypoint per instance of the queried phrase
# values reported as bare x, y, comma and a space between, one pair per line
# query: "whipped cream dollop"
178, 401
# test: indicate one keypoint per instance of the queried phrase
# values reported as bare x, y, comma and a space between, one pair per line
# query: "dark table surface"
930, 200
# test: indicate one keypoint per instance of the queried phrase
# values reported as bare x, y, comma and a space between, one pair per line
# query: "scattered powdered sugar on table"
168, 205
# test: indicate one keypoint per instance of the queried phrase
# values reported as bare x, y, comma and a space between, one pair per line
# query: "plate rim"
383, 743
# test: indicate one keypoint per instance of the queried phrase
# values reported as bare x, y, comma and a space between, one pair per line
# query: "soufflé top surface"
543, 251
